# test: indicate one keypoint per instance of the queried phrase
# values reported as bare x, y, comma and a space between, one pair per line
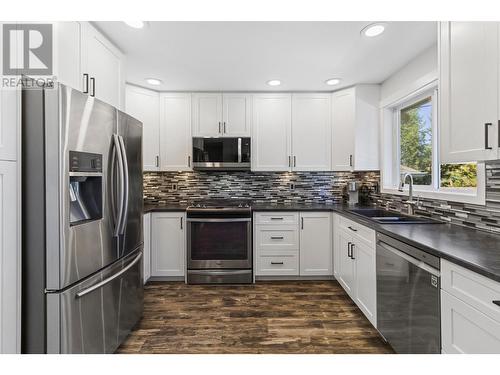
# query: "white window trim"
389, 147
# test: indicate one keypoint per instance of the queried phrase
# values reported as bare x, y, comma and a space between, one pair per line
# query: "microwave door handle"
126, 185
239, 150
121, 184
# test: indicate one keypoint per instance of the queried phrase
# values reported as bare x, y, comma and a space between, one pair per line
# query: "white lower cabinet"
355, 264
315, 244
146, 258
293, 244
470, 311
168, 243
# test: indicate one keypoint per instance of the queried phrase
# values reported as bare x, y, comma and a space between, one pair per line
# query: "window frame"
391, 153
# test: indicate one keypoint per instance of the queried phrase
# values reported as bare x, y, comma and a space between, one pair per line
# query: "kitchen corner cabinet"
144, 105
222, 115
175, 132
168, 243
146, 220
355, 123
315, 244
469, 91
355, 264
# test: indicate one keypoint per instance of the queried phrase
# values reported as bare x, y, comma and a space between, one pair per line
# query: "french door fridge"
82, 222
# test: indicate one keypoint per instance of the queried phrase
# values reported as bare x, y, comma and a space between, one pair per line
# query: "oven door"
219, 243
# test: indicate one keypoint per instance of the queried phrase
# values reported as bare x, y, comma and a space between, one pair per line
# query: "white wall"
419, 71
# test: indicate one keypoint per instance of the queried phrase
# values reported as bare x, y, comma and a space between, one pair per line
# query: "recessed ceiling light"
135, 24
332, 81
153, 81
374, 29
274, 82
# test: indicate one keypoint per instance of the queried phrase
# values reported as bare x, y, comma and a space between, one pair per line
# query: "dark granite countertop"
475, 250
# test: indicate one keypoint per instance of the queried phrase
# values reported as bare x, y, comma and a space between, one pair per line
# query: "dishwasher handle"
410, 259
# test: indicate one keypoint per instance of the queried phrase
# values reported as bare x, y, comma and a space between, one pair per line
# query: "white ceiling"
243, 56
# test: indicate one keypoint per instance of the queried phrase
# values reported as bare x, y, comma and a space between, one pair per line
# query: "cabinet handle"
350, 160
157, 161
294, 161
277, 237
181, 224
302, 223
224, 127
349, 249
276, 262
289, 161
276, 218
496, 303
85, 83
498, 132
486, 132
219, 127
352, 251
189, 161
92, 81
353, 229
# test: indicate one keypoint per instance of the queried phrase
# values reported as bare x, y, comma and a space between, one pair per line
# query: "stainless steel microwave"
221, 154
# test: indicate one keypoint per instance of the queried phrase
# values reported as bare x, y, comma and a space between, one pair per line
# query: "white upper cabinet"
102, 67
144, 105
316, 244
355, 122
271, 132
175, 132
311, 132
207, 115
67, 51
469, 86
236, 114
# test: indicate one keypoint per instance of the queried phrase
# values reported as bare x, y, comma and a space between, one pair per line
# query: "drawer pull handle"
277, 237
276, 218
496, 303
353, 229
277, 263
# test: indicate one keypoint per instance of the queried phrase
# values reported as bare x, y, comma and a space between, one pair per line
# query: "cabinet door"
175, 132
236, 115
346, 266
207, 115
315, 244
147, 246
366, 279
311, 132
103, 62
9, 259
343, 129
468, 91
67, 47
144, 105
168, 244
271, 132
467, 330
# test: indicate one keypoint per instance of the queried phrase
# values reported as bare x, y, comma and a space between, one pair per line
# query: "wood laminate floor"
267, 317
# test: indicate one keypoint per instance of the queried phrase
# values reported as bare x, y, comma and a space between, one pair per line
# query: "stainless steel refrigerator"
82, 222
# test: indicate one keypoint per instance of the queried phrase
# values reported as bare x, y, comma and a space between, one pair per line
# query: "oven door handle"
232, 220
409, 259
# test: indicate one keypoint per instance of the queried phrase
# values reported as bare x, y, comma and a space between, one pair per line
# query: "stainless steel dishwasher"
408, 297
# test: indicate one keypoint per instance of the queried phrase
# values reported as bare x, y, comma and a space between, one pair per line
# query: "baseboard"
293, 278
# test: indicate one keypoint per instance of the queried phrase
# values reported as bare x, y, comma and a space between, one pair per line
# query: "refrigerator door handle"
121, 185
109, 279
126, 186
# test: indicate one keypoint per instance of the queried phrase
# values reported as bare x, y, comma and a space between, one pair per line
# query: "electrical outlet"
292, 186
173, 187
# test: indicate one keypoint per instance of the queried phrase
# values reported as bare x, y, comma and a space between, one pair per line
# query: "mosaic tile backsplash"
276, 187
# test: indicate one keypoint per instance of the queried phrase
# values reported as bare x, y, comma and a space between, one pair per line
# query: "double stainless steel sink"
390, 217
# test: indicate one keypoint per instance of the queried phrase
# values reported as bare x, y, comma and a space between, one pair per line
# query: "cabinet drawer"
465, 329
276, 237
277, 218
278, 265
358, 230
472, 288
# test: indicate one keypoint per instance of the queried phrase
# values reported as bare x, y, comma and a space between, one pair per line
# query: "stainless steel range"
219, 242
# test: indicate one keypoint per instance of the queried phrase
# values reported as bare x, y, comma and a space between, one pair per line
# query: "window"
412, 136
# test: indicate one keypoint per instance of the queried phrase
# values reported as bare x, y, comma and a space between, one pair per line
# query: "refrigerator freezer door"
77, 122
130, 133
96, 315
